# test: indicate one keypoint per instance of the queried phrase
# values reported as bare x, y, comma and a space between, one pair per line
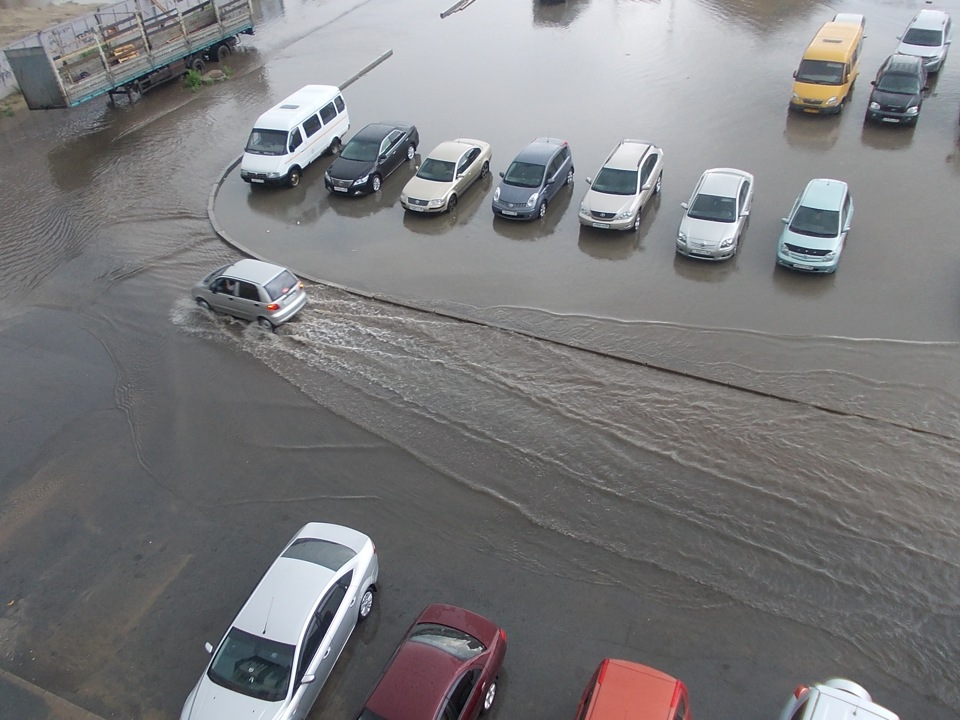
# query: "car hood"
515, 193
426, 189
212, 702
809, 241
607, 203
260, 163
900, 100
708, 232
344, 169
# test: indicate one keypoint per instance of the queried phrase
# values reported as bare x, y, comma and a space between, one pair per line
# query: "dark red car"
445, 669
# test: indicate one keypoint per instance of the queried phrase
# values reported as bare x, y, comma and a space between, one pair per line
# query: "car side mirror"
784, 220
794, 74
308, 678
382, 157
208, 647
589, 181
684, 205
501, 174
924, 88
646, 186
873, 82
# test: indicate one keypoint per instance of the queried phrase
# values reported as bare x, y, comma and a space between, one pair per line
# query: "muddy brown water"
743, 476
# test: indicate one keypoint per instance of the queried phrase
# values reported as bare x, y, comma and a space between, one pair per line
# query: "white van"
294, 133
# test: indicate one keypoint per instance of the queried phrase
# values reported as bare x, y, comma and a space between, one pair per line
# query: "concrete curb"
59, 707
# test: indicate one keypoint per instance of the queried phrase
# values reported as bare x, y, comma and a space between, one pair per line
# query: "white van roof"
291, 111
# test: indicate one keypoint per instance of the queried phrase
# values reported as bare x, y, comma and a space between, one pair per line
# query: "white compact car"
282, 646
835, 699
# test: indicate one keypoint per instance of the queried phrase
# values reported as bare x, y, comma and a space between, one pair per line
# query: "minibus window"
328, 113
295, 140
339, 103
311, 125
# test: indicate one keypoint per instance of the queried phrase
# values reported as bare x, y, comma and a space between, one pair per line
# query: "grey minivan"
252, 290
533, 179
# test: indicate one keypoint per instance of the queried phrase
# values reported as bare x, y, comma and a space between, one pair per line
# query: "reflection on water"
810, 131
887, 136
388, 198
557, 13
538, 228
702, 270
472, 200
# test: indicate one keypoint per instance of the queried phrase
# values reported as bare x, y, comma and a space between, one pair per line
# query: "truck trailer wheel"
197, 64
222, 51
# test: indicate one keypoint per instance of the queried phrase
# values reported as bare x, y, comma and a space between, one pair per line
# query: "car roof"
724, 182
540, 150
288, 592
452, 150
379, 130
293, 109
929, 19
628, 154
833, 703
255, 271
899, 62
631, 690
824, 194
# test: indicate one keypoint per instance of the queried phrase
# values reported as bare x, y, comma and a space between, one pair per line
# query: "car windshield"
897, 83
362, 150
816, 222
267, 142
461, 645
281, 285
713, 207
820, 72
616, 182
524, 174
925, 38
436, 170
253, 666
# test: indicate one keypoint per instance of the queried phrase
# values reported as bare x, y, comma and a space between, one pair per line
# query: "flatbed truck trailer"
125, 48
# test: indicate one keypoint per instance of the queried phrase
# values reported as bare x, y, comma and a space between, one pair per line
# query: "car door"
648, 178
390, 155
465, 698
328, 632
743, 206
467, 169
552, 180
223, 295
248, 300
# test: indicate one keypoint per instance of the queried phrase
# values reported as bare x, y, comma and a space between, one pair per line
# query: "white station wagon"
283, 644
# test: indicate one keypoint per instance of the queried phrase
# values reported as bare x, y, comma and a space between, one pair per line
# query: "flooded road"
742, 476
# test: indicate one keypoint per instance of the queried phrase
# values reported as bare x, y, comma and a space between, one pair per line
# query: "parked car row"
282, 646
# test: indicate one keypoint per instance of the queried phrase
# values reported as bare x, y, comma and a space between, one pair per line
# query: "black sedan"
373, 153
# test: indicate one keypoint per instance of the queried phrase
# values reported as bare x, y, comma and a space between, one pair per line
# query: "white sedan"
282, 646
451, 168
716, 214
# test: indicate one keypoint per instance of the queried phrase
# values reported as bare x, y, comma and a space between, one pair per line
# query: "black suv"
898, 90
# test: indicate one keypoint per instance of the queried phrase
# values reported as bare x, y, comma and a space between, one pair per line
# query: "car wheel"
293, 177
264, 323
636, 222
223, 51
452, 202
485, 170
366, 603
411, 151
543, 209
334, 148
375, 183
203, 304
489, 697
570, 177
197, 65
659, 186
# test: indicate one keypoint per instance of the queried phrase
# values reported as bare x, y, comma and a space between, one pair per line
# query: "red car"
621, 689
445, 669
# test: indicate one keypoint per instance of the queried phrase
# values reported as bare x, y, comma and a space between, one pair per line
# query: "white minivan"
294, 133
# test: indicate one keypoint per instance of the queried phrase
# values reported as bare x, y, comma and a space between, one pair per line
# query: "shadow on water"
705, 271
557, 13
538, 228
802, 284
886, 136
442, 223
811, 132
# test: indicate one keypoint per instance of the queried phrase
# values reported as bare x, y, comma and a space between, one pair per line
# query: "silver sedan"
716, 214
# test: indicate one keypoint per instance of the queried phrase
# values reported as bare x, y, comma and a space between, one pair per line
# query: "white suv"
835, 699
630, 176
928, 36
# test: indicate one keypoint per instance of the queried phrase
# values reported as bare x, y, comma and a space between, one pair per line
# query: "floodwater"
741, 475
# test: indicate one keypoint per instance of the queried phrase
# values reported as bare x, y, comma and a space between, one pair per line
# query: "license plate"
256, 180
890, 119
417, 208
508, 212
339, 189
602, 226
803, 267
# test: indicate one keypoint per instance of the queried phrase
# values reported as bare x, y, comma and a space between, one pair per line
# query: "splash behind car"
284, 642
533, 179
716, 214
816, 230
444, 175
445, 667
371, 155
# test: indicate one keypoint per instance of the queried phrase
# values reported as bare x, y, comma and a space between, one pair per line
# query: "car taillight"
300, 285
801, 689
503, 634
273, 307
603, 671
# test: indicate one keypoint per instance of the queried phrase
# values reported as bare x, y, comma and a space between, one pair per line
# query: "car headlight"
795, 98
532, 200
830, 255
874, 106
626, 214
584, 210
832, 101
273, 174
403, 197
326, 176
437, 202
682, 238
496, 194
913, 110
726, 242
361, 180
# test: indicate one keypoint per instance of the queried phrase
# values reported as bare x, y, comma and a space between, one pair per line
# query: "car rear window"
281, 285
330, 555
461, 645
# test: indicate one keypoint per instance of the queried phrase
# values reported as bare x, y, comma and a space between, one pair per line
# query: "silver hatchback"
284, 642
252, 290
